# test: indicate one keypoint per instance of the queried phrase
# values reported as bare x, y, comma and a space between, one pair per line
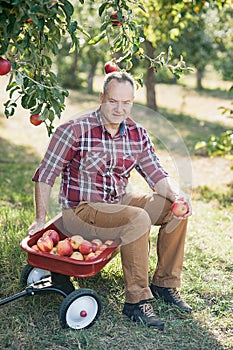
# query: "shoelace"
174, 292
147, 309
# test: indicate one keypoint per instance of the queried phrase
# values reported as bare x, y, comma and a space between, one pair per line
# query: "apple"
91, 256
179, 208
76, 240
29, 20
110, 67
35, 119
54, 250
97, 241
64, 247
115, 21
5, 66
85, 247
77, 256
35, 247
45, 244
52, 234
102, 247
108, 242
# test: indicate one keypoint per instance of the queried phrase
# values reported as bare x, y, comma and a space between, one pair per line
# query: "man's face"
117, 103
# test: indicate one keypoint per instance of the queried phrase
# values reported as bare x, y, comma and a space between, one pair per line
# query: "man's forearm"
42, 196
167, 188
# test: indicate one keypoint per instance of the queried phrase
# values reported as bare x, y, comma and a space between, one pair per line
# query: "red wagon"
47, 272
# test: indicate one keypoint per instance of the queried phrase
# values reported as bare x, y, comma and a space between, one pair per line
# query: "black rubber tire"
83, 300
27, 271
59, 281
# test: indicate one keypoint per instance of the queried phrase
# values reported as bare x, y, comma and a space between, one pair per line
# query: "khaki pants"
131, 221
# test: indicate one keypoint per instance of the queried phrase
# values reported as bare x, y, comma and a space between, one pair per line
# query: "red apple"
77, 256
5, 66
45, 244
35, 247
35, 119
115, 21
64, 247
52, 234
91, 256
179, 208
102, 247
110, 67
85, 247
29, 20
76, 240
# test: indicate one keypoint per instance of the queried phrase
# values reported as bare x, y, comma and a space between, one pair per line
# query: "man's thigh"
106, 221
158, 207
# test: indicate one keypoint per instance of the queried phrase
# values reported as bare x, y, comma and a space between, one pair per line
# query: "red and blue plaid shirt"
95, 166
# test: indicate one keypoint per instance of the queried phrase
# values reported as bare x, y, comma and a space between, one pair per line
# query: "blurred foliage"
221, 146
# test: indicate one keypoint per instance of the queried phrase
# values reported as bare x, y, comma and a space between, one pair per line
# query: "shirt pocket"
93, 162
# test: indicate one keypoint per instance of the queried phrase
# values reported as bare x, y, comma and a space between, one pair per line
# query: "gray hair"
121, 77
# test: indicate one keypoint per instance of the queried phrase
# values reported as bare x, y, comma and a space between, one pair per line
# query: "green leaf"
96, 39
102, 8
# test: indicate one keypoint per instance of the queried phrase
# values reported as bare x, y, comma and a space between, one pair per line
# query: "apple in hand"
35, 119
179, 208
85, 247
52, 234
110, 67
5, 66
64, 247
45, 244
76, 240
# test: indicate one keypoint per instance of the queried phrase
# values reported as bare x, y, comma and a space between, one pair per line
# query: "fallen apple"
5, 66
179, 208
52, 234
64, 247
77, 256
85, 247
76, 240
110, 67
45, 244
35, 119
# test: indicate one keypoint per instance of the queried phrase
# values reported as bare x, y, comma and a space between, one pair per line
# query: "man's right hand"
35, 227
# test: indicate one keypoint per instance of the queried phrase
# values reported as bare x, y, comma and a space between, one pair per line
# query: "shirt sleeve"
149, 166
61, 150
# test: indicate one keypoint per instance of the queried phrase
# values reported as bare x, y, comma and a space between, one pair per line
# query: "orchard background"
180, 54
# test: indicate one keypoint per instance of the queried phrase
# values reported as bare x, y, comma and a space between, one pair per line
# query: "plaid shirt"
95, 166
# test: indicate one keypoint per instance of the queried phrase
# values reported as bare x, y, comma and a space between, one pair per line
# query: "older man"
95, 155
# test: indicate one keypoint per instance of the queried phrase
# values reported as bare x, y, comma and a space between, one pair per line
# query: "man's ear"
101, 97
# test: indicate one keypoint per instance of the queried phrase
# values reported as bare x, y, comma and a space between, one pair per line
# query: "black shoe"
171, 296
144, 313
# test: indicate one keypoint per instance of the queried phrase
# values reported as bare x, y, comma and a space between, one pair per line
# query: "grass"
31, 323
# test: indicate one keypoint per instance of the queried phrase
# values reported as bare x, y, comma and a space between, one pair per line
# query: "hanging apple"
35, 119
115, 21
5, 66
110, 67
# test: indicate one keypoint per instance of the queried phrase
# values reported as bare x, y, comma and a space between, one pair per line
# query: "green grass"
31, 323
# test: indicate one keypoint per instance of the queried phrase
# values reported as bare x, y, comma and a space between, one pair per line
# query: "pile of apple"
75, 247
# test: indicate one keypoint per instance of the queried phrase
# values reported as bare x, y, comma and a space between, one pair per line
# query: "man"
95, 155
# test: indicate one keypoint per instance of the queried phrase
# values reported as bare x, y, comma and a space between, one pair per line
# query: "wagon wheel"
80, 309
32, 274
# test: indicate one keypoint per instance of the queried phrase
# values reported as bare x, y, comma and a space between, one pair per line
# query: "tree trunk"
199, 77
150, 81
90, 79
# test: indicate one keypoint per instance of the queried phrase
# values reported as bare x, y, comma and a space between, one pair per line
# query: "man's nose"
119, 106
